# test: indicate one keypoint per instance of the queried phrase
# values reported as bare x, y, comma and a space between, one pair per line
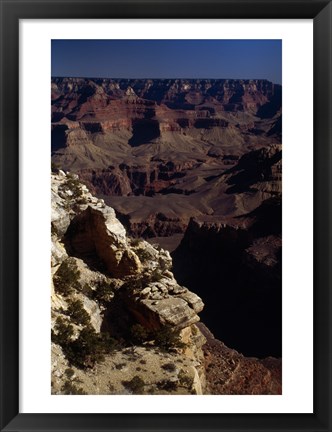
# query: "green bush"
89, 348
66, 278
74, 185
77, 313
69, 372
64, 332
139, 334
86, 350
135, 385
166, 385
185, 380
71, 184
109, 343
169, 367
69, 388
120, 366
104, 292
87, 290
168, 339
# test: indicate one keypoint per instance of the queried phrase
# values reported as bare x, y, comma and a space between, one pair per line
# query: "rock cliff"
120, 322
235, 266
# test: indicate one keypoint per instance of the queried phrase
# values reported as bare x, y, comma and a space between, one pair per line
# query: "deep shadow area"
117, 321
207, 123
92, 127
81, 241
144, 130
271, 108
57, 116
58, 137
277, 128
253, 167
242, 295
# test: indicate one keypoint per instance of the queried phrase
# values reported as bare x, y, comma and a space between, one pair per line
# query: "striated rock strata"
161, 151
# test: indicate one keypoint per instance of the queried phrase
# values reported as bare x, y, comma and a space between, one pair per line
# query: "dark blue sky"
187, 58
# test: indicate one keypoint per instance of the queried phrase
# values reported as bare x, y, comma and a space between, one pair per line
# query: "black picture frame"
11, 12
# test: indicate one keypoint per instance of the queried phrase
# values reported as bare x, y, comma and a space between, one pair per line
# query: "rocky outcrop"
107, 287
95, 232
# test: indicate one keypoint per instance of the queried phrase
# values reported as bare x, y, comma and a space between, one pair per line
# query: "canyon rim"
166, 235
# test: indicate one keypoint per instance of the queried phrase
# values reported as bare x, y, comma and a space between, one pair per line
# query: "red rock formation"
229, 372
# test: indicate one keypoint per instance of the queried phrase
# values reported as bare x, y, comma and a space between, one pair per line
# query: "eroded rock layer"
143, 144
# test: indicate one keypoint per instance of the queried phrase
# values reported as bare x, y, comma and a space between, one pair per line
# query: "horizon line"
164, 78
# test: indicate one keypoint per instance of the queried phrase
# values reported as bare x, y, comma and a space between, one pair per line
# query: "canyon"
193, 166
173, 146
121, 323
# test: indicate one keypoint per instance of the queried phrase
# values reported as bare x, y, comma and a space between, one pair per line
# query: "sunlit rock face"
116, 306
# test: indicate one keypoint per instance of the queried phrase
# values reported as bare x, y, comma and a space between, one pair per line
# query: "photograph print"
166, 184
